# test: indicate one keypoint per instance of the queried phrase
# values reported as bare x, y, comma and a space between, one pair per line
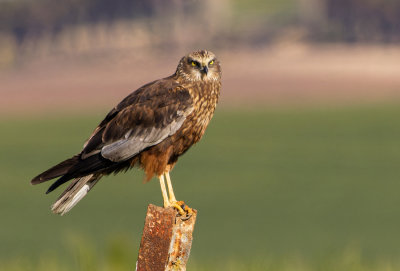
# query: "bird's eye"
211, 62
194, 64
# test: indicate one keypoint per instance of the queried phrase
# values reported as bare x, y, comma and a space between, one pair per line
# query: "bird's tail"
78, 188
56, 171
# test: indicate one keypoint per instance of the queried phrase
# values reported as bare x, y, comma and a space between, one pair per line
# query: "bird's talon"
188, 210
185, 211
188, 214
178, 207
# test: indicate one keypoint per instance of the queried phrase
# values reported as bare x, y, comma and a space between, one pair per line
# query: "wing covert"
156, 113
142, 136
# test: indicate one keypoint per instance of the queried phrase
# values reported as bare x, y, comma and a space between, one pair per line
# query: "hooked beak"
205, 70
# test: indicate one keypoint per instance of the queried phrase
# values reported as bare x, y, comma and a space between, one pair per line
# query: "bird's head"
199, 65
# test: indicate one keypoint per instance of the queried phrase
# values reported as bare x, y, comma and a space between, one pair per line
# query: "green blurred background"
298, 170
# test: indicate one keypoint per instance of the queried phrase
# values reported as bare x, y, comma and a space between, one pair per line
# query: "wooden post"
166, 240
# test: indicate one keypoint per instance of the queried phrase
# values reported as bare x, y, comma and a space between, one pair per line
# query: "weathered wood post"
166, 240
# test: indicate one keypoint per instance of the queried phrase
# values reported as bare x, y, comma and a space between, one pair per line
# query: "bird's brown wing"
145, 119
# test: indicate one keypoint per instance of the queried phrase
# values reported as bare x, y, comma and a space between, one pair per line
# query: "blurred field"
277, 189
298, 170
287, 73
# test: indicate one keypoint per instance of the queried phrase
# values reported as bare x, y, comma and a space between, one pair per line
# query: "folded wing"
143, 119
140, 125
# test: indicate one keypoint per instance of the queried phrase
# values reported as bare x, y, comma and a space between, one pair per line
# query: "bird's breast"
205, 99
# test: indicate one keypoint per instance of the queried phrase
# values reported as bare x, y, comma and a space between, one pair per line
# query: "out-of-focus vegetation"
283, 189
118, 258
362, 21
68, 26
347, 20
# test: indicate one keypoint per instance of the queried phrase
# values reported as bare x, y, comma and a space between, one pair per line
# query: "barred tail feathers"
76, 191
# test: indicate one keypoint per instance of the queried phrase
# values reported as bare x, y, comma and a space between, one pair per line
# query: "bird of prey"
149, 129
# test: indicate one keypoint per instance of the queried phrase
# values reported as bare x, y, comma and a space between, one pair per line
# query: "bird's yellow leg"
164, 191
182, 208
170, 189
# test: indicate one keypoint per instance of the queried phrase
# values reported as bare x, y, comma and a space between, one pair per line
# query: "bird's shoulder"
160, 105
156, 93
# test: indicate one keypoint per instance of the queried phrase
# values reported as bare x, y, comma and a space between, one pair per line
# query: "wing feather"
142, 138
143, 119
